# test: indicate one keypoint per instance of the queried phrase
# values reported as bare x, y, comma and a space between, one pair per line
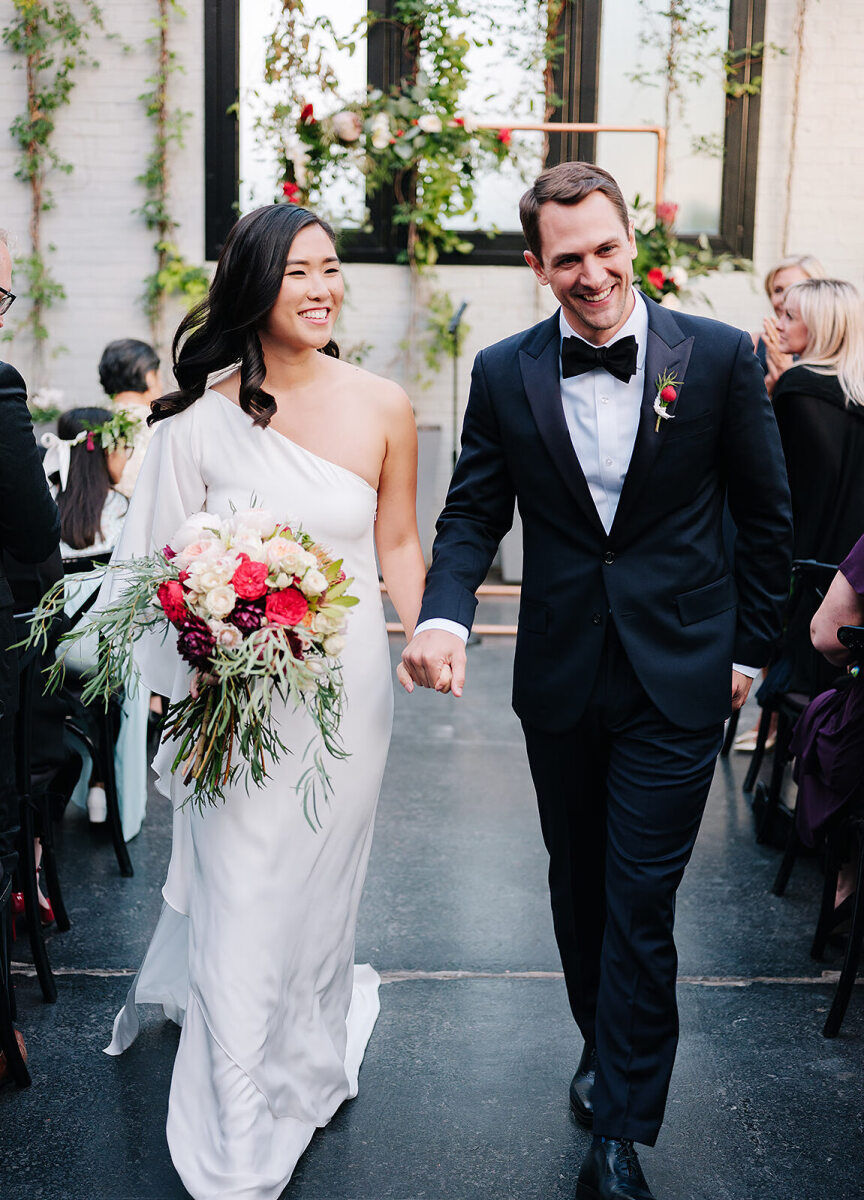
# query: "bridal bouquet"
259, 609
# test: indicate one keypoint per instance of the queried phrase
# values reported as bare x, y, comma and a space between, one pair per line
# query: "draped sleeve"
170, 487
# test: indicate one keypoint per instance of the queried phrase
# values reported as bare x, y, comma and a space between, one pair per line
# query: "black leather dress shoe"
582, 1085
611, 1171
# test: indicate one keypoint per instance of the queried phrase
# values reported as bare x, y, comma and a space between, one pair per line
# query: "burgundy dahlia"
246, 616
196, 643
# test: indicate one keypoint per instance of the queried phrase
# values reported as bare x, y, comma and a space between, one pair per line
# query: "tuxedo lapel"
668, 351
539, 363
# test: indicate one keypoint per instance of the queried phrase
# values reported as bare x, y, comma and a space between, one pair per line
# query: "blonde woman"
819, 405
793, 269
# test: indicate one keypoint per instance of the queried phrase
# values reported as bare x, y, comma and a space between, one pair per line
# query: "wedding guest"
782, 275
84, 462
828, 741
129, 373
29, 529
819, 406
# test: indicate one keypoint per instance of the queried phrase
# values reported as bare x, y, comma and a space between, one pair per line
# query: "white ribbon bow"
58, 454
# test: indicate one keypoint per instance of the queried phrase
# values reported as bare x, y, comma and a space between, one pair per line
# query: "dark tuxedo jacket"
662, 575
29, 521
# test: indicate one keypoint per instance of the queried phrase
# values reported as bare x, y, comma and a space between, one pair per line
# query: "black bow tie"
619, 359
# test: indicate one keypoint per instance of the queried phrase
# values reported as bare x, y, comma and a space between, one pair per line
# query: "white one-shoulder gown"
254, 951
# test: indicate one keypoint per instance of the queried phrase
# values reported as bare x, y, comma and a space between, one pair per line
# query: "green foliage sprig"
51, 37
173, 275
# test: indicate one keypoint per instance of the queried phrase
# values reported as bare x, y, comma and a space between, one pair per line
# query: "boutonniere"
666, 395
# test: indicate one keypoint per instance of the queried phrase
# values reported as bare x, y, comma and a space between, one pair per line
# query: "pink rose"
250, 580
287, 607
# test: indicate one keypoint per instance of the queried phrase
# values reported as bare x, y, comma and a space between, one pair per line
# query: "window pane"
505, 84
344, 202
634, 41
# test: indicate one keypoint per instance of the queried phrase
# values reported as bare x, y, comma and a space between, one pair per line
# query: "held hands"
740, 690
434, 659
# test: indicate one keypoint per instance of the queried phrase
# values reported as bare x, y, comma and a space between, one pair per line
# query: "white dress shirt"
602, 415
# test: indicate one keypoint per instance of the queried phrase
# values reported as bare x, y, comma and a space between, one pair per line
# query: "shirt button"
604, 399
597, 619
608, 462
609, 558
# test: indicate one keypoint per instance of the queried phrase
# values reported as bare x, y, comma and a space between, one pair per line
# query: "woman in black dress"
819, 405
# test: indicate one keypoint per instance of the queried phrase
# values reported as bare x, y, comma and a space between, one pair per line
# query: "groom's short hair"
568, 183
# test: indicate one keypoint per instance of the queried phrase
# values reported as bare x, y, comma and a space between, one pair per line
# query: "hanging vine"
172, 274
52, 40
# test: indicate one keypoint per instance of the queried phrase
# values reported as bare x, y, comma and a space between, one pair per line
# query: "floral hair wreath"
119, 430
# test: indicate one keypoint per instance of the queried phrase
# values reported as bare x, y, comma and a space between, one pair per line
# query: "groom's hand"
434, 659
740, 690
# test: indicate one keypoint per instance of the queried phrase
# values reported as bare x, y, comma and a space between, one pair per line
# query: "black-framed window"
591, 58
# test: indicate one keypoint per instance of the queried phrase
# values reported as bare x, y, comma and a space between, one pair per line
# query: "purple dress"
828, 741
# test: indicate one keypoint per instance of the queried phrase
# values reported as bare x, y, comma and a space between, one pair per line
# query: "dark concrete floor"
464, 1087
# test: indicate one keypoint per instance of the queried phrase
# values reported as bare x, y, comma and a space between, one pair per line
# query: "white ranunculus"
380, 127
283, 580
219, 601
313, 583
216, 572
347, 125
305, 559
670, 300
334, 645
679, 276
196, 528
261, 520
282, 552
430, 123
329, 620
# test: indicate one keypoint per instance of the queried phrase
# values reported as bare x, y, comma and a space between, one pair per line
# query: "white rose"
196, 528
313, 583
306, 559
228, 636
219, 601
282, 553
679, 276
253, 546
282, 580
261, 520
430, 123
670, 300
216, 572
205, 550
316, 666
334, 645
328, 621
347, 125
380, 127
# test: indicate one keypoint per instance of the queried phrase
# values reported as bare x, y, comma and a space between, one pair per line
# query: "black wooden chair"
846, 836
17, 1068
795, 676
34, 819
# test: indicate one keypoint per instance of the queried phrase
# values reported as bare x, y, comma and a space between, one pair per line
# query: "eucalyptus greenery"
51, 39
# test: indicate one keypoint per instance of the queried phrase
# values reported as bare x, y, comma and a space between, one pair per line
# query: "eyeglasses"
7, 299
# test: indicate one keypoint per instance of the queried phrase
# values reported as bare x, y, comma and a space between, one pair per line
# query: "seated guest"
781, 276
84, 462
828, 741
129, 373
29, 529
819, 405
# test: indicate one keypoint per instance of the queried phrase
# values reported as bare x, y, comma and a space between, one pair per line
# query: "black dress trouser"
8, 708
621, 797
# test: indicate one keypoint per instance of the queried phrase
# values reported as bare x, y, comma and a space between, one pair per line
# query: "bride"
254, 951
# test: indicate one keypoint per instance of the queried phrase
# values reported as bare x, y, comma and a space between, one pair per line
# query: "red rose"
656, 277
170, 596
505, 136
291, 191
307, 114
287, 607
668, 394
459, 121
666, 212
250, 580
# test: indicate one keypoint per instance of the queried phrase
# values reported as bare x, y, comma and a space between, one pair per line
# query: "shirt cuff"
443, 623
750, 672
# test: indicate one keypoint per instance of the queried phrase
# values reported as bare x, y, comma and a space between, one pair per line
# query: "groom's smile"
587, 260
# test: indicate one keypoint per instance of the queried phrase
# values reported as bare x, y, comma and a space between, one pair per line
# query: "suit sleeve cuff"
443, 623
750, 672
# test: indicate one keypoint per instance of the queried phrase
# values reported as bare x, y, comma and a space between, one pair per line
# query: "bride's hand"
200, 680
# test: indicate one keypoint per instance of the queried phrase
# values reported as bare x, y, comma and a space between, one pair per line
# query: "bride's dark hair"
222, 330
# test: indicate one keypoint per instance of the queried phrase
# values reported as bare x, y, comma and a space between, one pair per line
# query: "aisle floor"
464, 1087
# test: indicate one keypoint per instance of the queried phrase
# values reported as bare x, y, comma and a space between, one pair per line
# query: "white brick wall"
103, 249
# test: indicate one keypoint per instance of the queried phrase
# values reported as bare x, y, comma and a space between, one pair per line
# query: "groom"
619, 428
